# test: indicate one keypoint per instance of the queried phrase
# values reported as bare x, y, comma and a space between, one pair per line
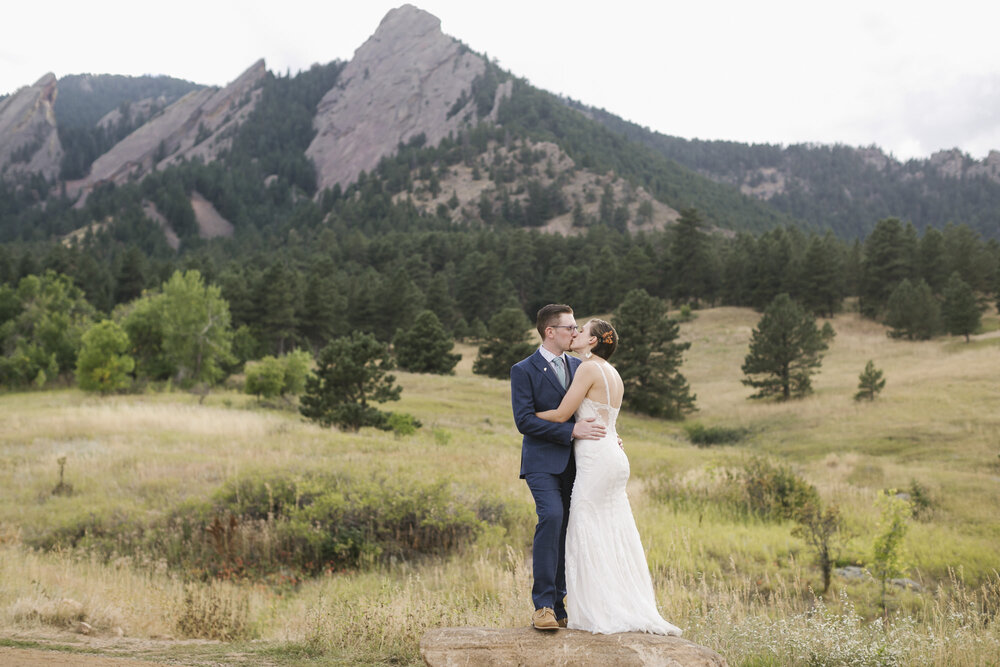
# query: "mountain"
443, 130
408, 79
842, 188
29, 139
96, 111
197, 126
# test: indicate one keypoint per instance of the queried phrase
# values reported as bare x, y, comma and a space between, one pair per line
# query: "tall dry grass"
742, 586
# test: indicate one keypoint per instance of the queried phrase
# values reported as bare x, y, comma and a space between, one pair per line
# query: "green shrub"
758, 489
402, 424
776, 492
704, 436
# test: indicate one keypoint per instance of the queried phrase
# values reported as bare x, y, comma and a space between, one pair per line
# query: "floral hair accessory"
608, 337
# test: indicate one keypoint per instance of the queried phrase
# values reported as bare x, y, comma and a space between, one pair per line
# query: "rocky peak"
956, 164
29, 142
409, 78
874, 156
194, 126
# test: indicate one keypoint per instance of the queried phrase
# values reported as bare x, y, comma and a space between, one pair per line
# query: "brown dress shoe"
563, 622
544, 619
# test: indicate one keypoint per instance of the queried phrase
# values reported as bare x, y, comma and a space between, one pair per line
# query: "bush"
277, 376
758, 489
776, 492
278, 529
704, 436
103, 364
401, 423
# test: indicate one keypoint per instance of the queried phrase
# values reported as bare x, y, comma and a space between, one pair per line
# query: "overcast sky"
911, 76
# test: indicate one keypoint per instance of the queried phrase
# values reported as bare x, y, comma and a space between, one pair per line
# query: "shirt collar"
548, 355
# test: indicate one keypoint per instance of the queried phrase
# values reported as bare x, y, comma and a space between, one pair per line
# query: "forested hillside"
838, 187
85, 99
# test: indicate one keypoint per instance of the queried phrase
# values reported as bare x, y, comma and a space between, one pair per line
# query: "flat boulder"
527, 647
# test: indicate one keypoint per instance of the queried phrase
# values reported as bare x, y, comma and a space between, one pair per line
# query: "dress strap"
607, 387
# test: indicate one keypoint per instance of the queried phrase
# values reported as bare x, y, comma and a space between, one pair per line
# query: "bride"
608, 587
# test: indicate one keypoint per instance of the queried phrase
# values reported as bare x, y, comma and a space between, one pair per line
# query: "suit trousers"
548, 553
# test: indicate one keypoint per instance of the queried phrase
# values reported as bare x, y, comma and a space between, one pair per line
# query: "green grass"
131, 459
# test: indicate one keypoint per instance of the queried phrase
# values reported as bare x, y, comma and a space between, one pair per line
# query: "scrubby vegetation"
235, 521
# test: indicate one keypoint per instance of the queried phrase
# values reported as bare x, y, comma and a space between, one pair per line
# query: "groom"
539, 383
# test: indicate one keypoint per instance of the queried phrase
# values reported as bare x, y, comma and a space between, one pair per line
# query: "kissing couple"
588, 564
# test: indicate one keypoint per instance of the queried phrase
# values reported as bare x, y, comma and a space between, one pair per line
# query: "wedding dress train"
608, 585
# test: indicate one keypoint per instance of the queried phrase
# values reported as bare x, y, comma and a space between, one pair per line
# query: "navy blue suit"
548, 467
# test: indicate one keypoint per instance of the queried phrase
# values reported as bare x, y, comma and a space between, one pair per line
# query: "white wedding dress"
608, 587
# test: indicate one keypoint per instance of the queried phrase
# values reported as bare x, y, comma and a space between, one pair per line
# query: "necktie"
561, 371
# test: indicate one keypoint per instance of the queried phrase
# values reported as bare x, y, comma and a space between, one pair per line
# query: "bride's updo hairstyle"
607, 338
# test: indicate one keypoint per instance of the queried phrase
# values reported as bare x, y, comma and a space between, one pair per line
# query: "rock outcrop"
408, 78
528, 647
29, 142
197, 125
472, 199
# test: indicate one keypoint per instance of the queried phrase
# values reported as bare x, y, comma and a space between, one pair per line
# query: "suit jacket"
534, 387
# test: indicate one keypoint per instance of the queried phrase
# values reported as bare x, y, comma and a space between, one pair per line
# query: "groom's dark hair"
548, 316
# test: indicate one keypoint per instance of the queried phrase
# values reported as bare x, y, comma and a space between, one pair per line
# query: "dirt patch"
23, 657
210, 222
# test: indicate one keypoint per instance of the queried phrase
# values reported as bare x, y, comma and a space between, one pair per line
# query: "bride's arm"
583, 380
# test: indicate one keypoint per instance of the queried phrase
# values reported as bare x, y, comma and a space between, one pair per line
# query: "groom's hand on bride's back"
588, 429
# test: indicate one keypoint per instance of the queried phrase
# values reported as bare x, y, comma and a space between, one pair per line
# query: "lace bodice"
605, 412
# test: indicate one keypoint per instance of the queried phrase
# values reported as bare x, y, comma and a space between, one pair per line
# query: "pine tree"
131, 277
278, 296
504, 345
960, 310
870, 383
913, 312
822, 277
887, 261
689, 259
425, 347
324, 306
648, 357
785, 350
350, 373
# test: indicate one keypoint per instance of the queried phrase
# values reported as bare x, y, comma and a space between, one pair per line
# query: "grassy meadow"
740, 584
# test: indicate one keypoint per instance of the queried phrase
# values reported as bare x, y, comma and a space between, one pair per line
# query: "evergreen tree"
822, 277
691, 273
504, 344
324, 307
785, 350
277, 299
888, 260
350, 373
931, 262
649, 357
913, 311
131, 276
960, 311
104, 363
870, 383
425, 347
